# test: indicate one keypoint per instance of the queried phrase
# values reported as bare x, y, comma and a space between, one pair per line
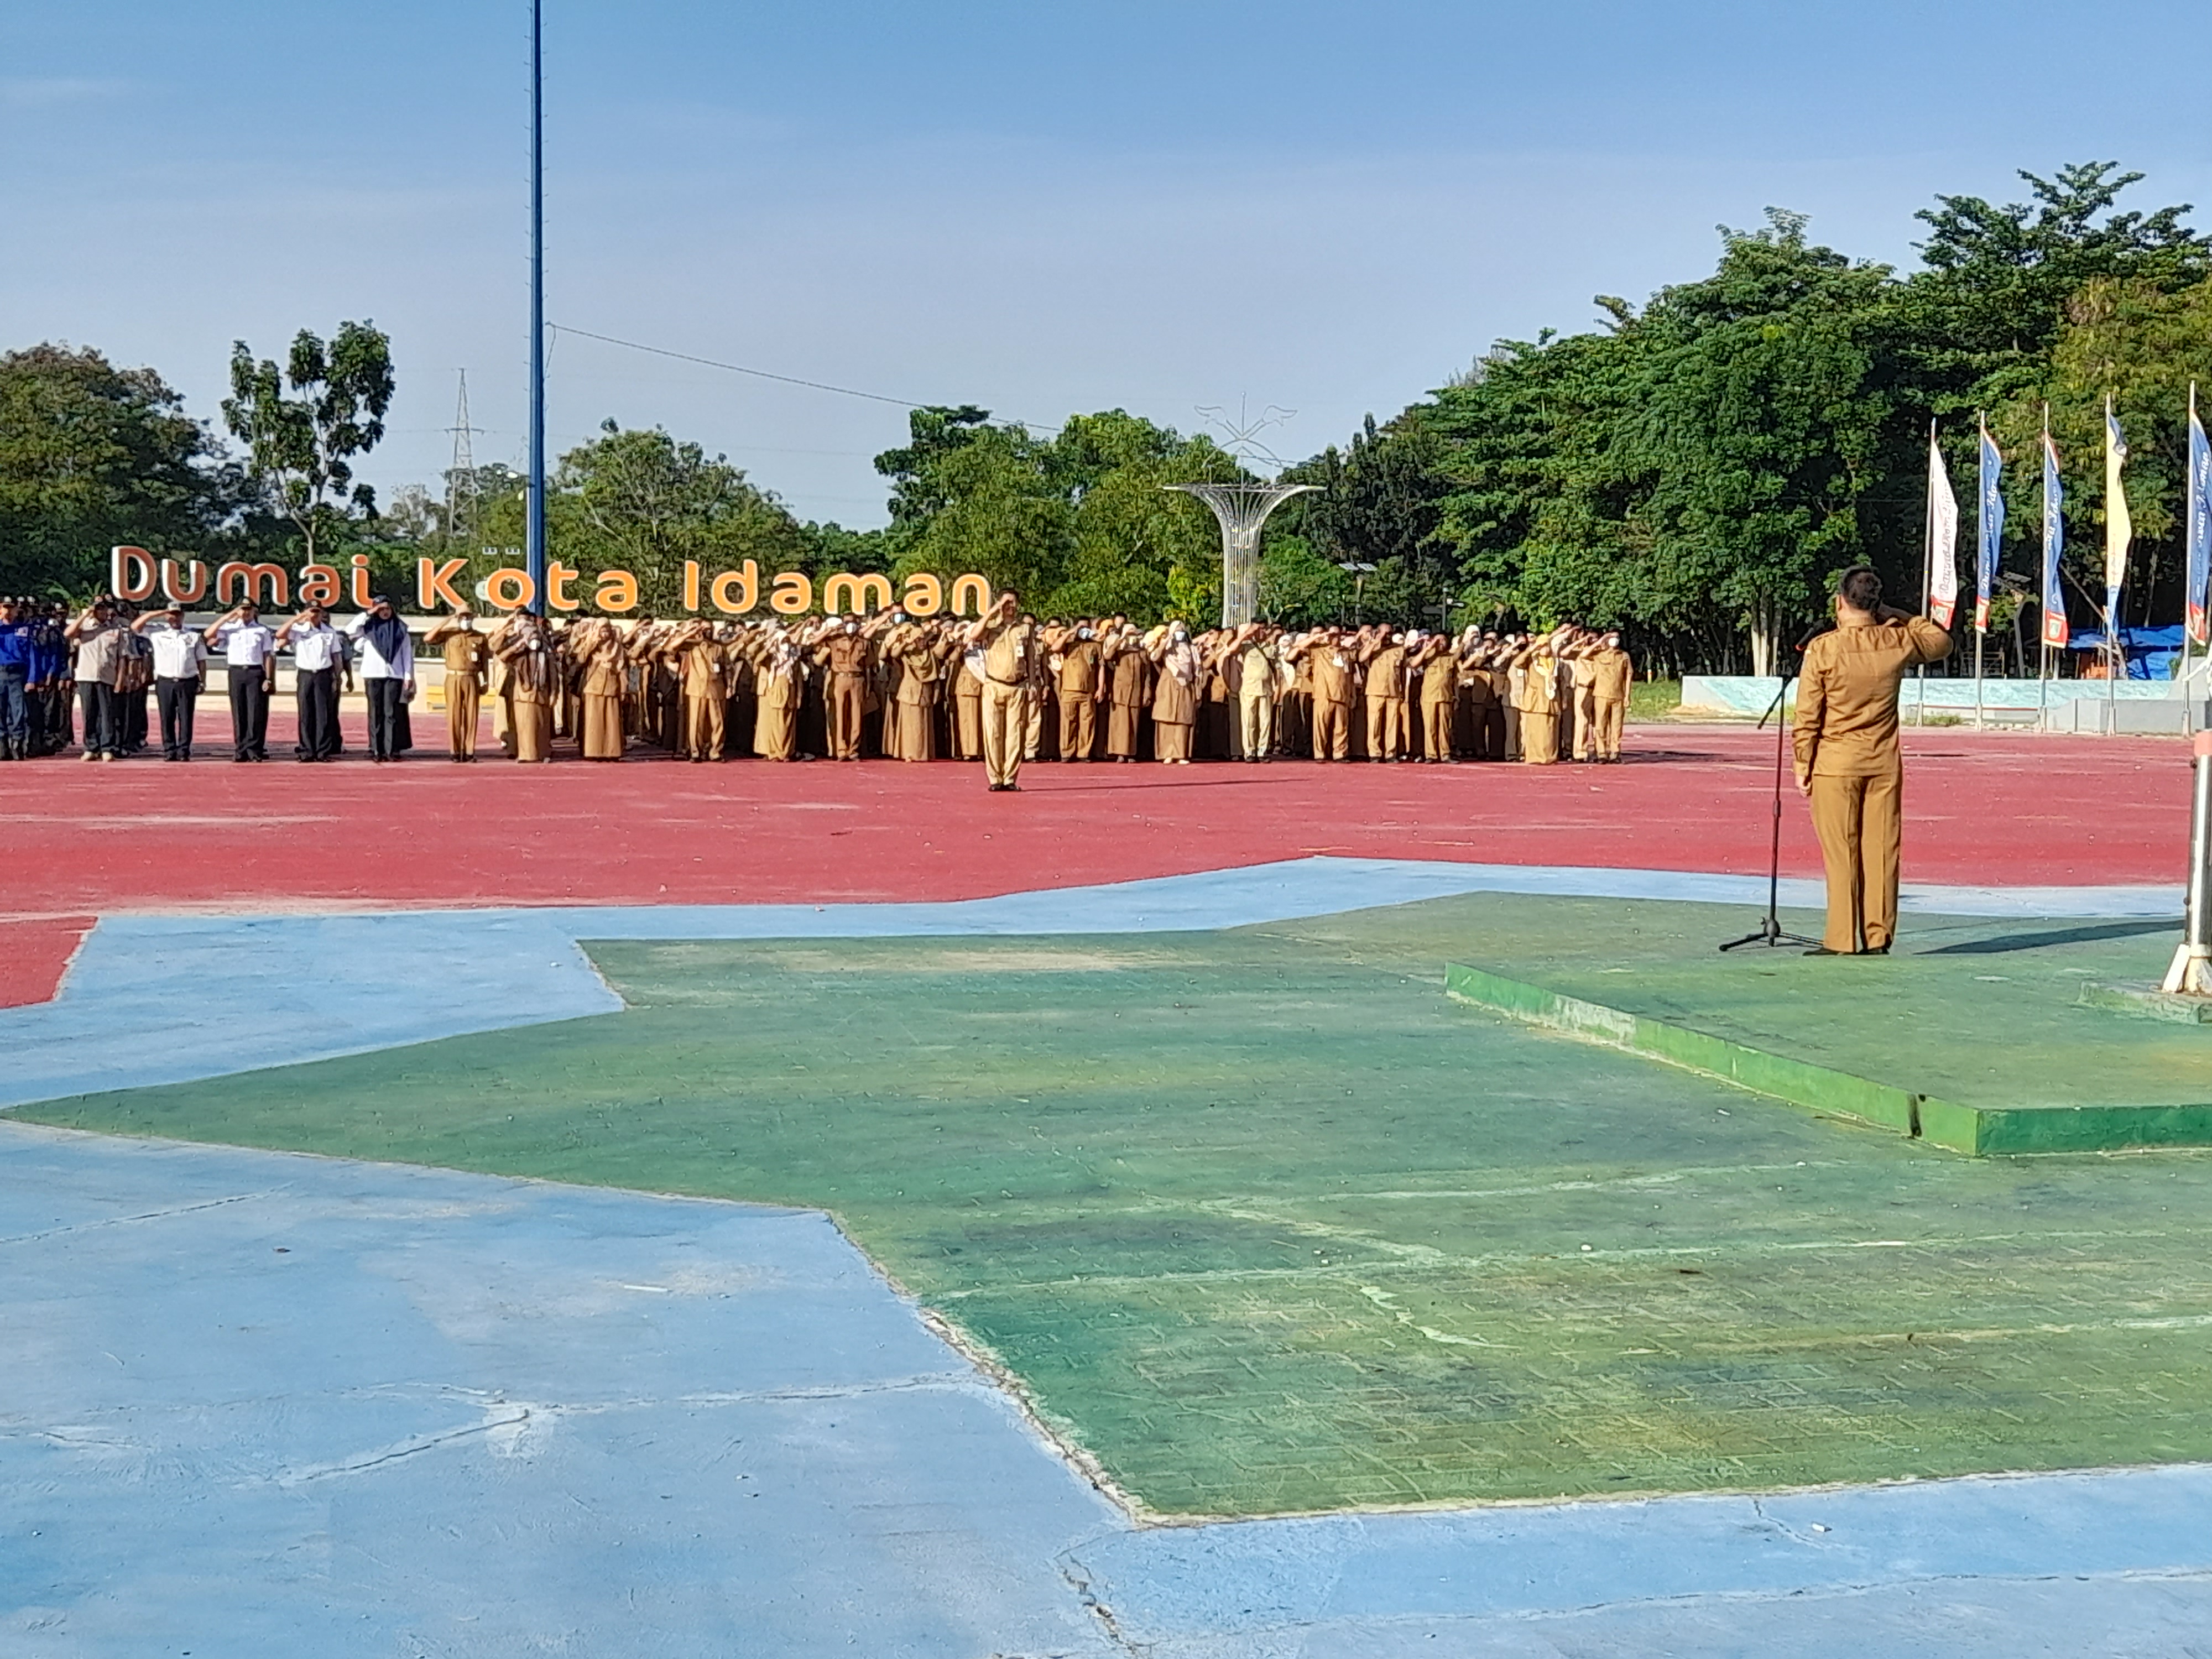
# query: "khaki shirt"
1846, 724
1440, 678
1078, 668
1611, 672
1007, 648
1386, 672
465, 655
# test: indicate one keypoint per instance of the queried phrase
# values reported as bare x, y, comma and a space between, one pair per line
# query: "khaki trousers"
1859, 822
463, 697
1612, 712
1256, 726
1079, 725
702, 726
1332, 730
1005, 714
1386, 728
1436, 729
847, 704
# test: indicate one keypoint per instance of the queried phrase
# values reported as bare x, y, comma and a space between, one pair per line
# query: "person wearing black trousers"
179, 669
387, 675
316, 650
249, 649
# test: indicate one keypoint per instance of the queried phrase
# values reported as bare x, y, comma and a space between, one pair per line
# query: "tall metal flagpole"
534, 534
1927, 582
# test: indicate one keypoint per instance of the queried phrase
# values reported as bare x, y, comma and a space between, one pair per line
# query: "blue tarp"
2153, 653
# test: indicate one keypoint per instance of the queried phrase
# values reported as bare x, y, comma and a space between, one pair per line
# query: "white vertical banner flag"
2120, 527
1943, 539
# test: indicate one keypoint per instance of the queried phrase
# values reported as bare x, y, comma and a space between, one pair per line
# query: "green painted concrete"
1926, 1012
1263, 1223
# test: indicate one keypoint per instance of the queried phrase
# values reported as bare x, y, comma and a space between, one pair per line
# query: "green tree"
638, 499
1381, 503
300, 449
93, 456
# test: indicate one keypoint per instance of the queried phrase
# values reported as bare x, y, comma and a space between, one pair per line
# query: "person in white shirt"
249, 650
317, 653
387, 674
179, 669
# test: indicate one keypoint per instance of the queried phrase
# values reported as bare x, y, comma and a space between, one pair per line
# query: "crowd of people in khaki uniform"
1005, 688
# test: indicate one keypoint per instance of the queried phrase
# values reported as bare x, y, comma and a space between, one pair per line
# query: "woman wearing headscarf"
1174, 699
387, 675
533, 680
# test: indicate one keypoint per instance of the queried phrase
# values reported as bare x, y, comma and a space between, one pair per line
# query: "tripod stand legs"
1770, 931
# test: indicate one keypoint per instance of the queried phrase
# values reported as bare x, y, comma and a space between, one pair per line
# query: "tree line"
1691, 470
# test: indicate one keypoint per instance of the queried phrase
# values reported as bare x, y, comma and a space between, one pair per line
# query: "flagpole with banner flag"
2056, 634
2198, 628
2119, 531
1991, 528
1939, 574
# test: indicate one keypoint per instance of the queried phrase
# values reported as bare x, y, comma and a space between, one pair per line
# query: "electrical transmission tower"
461, 476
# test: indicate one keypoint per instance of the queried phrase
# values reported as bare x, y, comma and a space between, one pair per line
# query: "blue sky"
1041, 209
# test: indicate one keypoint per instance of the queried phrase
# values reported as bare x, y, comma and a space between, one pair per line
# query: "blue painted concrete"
267, 1405
209, 996
260, 1404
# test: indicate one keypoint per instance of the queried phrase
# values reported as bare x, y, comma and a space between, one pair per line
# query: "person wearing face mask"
466, 652
909, 722
1175, 698
1077, 659
844, 657
1386, 696
1128, 690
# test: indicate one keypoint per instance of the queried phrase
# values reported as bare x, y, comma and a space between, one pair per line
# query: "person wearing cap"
179, 669
467, 654
101, 646
318, 660
249, 653
387, 675
18, 654
1848, 767
1614, 674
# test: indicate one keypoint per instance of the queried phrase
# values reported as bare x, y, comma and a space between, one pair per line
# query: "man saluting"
1847, 764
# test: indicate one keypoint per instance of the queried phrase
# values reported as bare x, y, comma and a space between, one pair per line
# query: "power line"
761, 373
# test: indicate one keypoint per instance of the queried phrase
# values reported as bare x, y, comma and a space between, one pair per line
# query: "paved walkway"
267, 1405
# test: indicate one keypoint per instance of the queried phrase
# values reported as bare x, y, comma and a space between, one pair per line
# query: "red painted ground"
1994, 808
37, 949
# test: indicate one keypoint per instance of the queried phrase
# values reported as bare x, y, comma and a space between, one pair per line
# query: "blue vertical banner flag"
2200, 523
1992, 529
2055, 631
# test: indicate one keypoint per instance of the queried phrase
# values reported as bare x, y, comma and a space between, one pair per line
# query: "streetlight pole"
534, 532
1359, 572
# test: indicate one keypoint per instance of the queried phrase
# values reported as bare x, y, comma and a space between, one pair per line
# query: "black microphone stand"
1770, 927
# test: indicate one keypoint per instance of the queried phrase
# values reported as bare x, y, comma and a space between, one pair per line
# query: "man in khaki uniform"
1613, 674
1847, 764
846, 657
1439, 678
467, 654
1077, 655
1253, 672
1008, 643
700, 661
1386, 697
